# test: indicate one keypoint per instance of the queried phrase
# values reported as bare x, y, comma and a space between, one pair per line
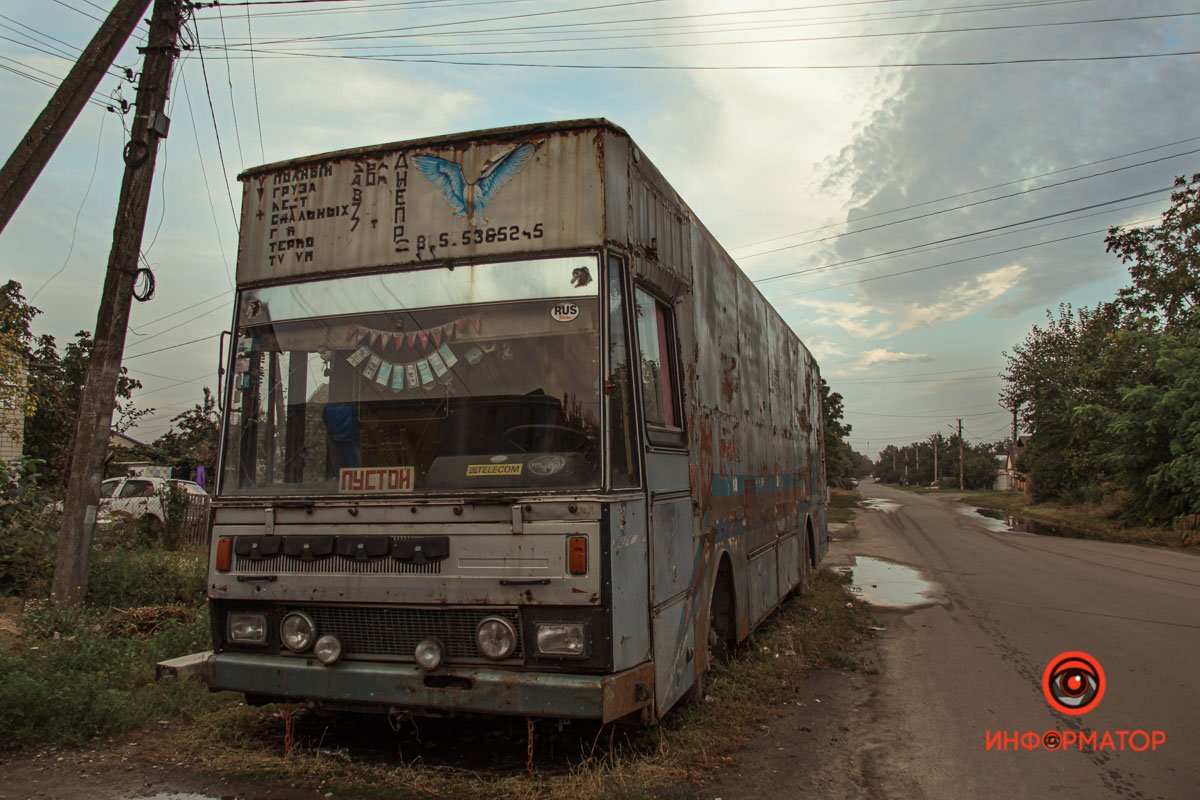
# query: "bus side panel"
630, 584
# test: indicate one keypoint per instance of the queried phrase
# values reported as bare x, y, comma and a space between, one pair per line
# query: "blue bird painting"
470, 198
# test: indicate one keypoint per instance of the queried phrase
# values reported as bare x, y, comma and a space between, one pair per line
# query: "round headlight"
496, 637
328, 649
297, 631
429, 654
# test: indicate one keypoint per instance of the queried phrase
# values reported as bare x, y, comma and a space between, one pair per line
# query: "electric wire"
237, 133
204, 177
968, 193
254, 82
843, 264
79, 213
216, 132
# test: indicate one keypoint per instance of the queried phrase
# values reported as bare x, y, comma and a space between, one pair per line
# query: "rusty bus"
506, 431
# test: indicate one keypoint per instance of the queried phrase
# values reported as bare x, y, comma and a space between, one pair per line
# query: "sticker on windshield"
477, 470
398, 377
385, 373
426, 372
358, 356
565, 312
439, 366
448, 356
376, 479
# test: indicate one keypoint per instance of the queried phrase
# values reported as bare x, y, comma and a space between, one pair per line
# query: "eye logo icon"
1073, 683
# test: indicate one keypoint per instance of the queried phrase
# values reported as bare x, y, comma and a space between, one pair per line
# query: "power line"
973, 204
217, 133
967, 193
963, 260
803, 39
254, 82
961, 236
78, 214
909, 375
174, 346
232, 104
756, 67
204, 176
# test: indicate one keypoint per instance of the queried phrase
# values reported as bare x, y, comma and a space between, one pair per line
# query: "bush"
69, 681
130, 578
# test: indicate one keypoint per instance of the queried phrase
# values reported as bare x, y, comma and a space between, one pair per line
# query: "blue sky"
806, 167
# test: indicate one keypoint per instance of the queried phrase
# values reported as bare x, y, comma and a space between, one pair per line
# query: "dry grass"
454, 759
1081, 521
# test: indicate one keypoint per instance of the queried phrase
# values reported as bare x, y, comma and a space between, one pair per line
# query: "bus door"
668, 496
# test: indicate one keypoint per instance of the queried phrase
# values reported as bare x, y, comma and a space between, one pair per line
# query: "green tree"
1164, 259
838, 465
195, 441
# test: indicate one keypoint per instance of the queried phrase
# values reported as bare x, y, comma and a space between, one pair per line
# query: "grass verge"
586, 762
66, 677
1082, 521
842, 504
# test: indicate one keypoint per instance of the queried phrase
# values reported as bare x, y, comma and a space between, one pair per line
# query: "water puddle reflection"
879, 504
882, 583
1004, 522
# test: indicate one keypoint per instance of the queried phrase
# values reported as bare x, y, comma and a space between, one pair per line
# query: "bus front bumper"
390, 686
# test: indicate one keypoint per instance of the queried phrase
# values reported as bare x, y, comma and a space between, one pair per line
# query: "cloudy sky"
912, 182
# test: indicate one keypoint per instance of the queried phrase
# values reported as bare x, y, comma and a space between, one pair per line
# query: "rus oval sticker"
565, 312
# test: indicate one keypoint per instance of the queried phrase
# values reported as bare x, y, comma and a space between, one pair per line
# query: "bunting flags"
421, 373
416, 340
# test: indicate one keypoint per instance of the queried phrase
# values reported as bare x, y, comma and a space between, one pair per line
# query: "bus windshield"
436, 380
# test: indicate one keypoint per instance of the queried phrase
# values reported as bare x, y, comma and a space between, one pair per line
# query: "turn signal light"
224, 553
577, 555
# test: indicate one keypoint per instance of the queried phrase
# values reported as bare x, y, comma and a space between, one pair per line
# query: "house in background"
1008, 478
12, 405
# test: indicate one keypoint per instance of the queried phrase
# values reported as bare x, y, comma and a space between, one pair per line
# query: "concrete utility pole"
48, 130
962, 483
934, 441
112, 321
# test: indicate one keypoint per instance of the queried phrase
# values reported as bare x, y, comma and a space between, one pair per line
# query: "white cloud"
881, 355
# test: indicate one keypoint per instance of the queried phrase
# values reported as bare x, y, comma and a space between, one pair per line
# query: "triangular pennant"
412, 340
437, 337
352, 333
424, 337
461, 324
397, 340
477, 324
448, 329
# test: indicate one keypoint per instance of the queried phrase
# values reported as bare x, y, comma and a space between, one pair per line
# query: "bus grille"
333, 565
395, 632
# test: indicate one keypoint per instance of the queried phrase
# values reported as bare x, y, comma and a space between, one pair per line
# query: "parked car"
136, 498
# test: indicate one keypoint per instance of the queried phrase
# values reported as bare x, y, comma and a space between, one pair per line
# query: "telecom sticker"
477, 470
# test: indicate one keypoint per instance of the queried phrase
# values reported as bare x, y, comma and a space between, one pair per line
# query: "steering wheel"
580, 438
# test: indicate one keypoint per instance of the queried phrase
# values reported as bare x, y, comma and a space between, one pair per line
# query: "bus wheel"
806, 563
718, 636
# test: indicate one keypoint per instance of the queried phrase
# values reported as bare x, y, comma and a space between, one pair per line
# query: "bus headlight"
297, 631
428, 654
561, 638
496, 637
247, 628
328, 650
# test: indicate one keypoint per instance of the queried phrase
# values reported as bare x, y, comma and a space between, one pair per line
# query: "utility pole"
48, 130
962, 483
934, 441
90, 444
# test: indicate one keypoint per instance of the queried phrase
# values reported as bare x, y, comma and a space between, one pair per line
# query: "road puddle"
176, 796
882, 583
879, 504
1004, 522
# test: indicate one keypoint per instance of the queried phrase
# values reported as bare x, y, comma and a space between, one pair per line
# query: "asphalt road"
1002, 605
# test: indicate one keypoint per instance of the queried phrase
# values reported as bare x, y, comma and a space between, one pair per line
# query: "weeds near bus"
66, 677
474, 758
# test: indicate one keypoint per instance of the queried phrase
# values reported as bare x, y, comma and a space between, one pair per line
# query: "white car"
140, 499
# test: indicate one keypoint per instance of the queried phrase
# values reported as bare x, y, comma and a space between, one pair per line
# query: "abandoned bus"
505, 431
